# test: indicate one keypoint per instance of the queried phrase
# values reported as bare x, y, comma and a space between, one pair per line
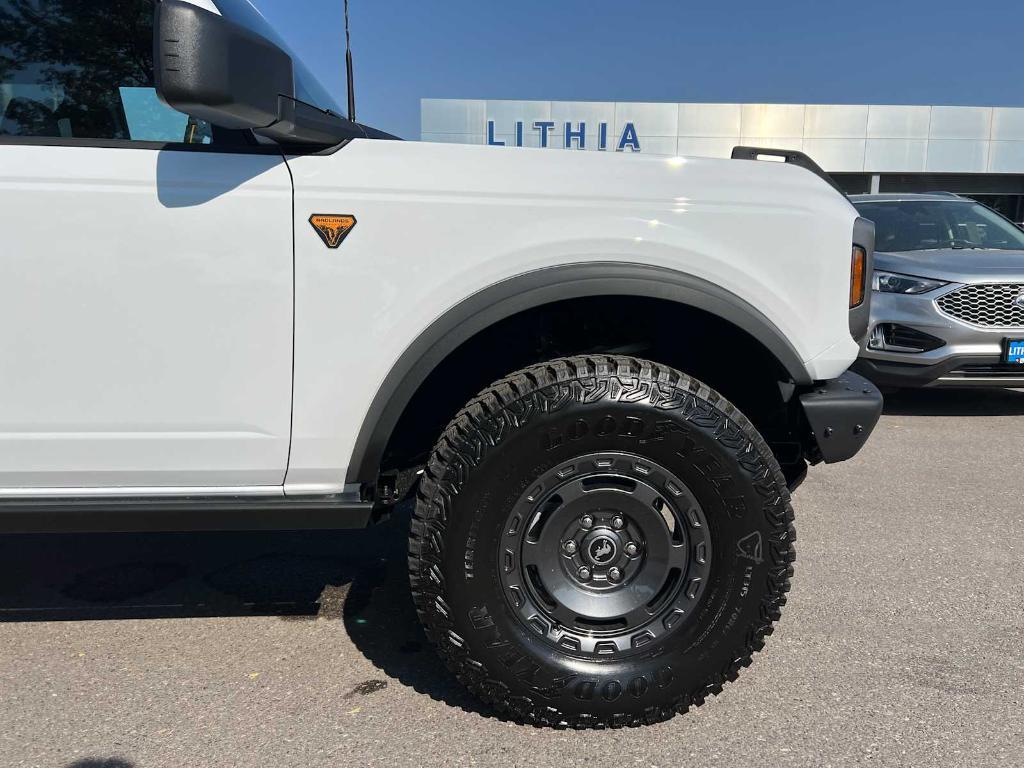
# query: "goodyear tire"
599, 541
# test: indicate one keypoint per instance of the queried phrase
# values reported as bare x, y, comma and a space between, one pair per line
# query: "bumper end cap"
842, 413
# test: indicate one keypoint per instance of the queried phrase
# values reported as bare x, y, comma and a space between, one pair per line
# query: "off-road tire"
545, 417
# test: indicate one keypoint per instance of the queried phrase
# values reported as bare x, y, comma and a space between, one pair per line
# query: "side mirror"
215, 70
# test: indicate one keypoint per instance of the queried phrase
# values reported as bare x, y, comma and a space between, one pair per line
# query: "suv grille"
992, 305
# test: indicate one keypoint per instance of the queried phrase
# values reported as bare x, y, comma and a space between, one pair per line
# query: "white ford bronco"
596, 379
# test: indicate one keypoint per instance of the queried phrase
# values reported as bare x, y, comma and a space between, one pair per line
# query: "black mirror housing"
215, 70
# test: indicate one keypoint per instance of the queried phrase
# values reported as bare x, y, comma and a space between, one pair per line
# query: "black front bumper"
841, 414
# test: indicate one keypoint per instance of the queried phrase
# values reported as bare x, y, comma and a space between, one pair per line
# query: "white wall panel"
656, 126
649, 145
1007, 124
898, 122
842, 155
709, 120
506, 113
895, 155
957, 156
774, 142
840, 137
835, 121
452, 116
1006, 157
454, 138
706, 147
961, 123
650, 119
772, 120
590, 112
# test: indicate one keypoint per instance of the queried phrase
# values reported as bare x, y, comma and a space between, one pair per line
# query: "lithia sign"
572, 138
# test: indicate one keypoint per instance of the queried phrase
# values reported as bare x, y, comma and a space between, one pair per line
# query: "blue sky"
814, 51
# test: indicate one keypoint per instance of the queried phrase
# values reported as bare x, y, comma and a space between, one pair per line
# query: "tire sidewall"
713, 454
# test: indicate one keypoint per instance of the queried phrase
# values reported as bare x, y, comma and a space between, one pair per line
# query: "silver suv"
948, 305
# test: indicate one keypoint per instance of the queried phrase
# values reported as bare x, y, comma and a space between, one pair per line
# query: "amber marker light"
858, 281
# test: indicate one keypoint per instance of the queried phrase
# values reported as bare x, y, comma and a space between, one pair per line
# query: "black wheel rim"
605, 554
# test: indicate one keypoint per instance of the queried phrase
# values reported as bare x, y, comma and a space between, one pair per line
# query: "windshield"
926, 225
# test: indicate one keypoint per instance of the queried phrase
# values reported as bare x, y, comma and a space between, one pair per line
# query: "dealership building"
975, 151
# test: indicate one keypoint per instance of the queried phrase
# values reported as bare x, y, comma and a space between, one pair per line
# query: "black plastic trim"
535, 289
171, 146
301, 123
90, 514
842, 413
910, 340
791, 156
207, 66
364, 132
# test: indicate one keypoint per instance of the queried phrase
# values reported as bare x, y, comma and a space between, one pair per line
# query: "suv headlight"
891, 282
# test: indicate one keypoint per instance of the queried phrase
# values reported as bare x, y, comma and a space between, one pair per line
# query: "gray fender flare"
534, 289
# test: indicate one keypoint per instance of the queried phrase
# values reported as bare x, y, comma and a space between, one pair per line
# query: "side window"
82, 69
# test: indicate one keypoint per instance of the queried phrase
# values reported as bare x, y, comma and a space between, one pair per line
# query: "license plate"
1015, 351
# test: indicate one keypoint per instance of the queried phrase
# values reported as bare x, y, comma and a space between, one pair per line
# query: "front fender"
534, 289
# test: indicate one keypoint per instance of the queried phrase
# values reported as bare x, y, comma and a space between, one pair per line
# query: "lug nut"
584, 574
587, 521
614, 574
617, 523
569, 547
632, 549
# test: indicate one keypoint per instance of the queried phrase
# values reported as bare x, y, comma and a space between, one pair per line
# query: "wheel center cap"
602, 549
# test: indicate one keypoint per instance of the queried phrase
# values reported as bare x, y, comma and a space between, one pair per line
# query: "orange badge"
332, 228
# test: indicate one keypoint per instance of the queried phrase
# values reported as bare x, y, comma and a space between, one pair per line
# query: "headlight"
890, 282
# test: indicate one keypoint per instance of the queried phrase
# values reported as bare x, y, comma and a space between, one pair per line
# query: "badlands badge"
332, 228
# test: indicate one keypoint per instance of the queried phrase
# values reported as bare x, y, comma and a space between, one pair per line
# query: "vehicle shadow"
978, 401
357, 577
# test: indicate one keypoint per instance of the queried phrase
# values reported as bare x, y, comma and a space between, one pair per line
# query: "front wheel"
600, 541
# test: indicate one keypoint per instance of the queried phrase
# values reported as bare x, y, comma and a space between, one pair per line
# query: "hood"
956, 265
651, 183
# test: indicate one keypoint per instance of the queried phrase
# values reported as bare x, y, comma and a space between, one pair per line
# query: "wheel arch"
532, 290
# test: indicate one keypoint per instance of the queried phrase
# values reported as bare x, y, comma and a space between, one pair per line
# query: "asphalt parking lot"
902, 644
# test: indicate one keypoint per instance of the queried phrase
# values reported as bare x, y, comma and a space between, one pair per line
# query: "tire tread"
546, 387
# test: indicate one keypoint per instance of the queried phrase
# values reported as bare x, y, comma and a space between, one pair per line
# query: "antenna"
348, 70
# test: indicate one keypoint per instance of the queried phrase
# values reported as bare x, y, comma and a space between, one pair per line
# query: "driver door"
145, 274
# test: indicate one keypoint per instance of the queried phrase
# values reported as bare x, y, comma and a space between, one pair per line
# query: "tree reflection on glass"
62, 63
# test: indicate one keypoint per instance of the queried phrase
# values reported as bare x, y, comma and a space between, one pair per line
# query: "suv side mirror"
215, 70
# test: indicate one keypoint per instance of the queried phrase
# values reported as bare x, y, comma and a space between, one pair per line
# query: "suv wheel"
600, 541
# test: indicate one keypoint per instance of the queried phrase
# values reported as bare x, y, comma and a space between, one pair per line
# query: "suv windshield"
927, 225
